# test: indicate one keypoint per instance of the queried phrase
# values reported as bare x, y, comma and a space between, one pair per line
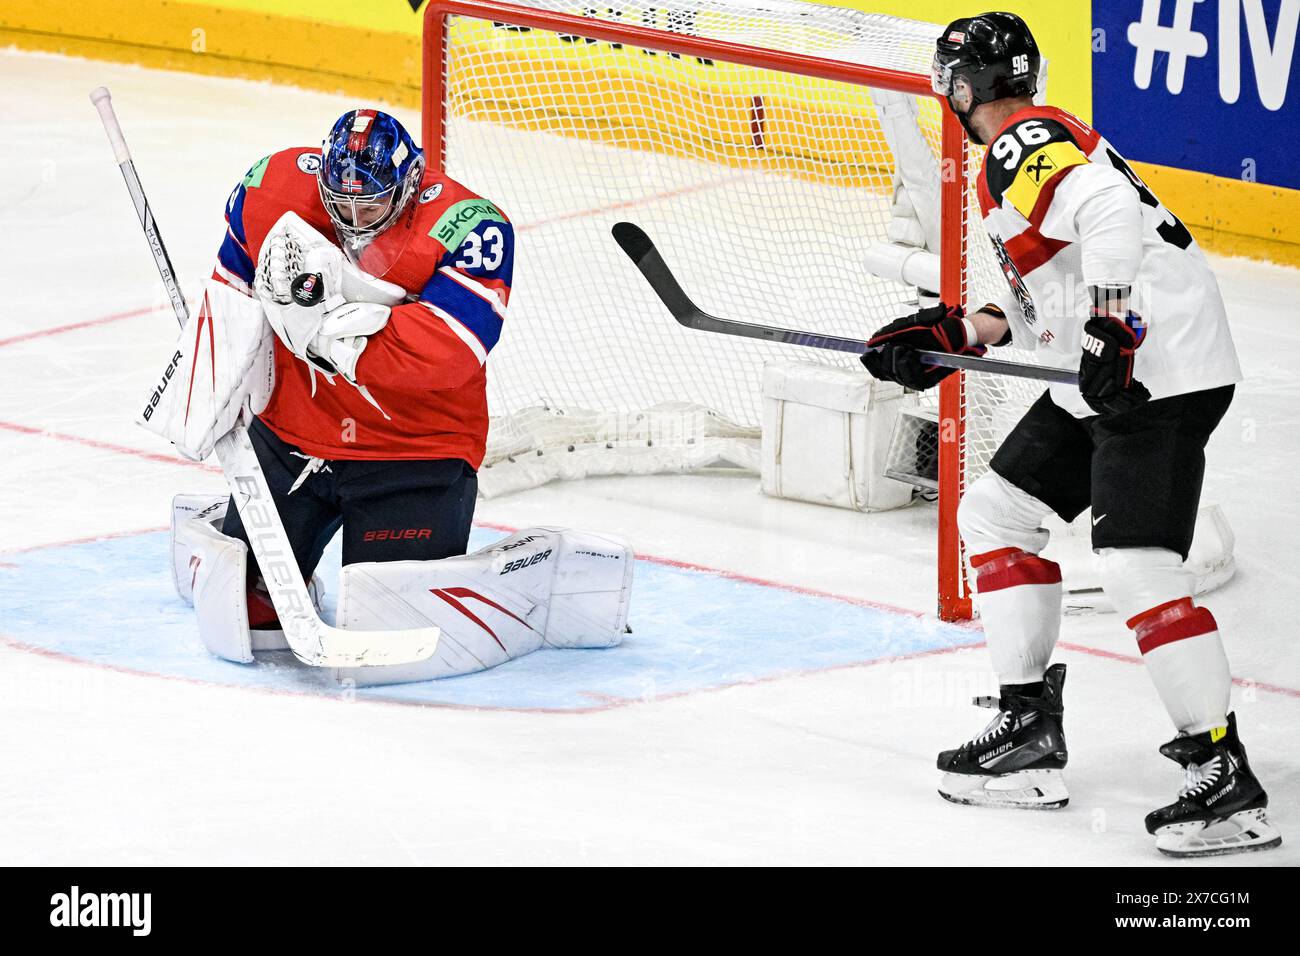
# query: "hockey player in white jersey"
1104, 279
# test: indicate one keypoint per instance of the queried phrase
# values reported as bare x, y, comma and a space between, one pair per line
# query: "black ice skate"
1017, 760
1221, 807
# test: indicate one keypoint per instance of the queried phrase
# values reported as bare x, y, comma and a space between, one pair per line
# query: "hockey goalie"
355, 300
1102, 278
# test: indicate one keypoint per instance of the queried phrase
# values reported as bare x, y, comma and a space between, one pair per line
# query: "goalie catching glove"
893, 351
320, 305
342, 336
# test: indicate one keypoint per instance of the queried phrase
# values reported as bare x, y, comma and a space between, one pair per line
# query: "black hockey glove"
1106, 368
892, 351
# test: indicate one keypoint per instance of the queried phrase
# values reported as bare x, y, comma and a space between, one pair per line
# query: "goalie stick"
633, 241
311, 639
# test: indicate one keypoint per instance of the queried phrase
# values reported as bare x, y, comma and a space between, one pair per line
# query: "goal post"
697, 109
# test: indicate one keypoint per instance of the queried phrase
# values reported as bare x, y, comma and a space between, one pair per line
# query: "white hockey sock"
1020, 605
1183, 652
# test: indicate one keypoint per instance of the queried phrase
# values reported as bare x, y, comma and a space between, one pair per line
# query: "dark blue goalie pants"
401, 510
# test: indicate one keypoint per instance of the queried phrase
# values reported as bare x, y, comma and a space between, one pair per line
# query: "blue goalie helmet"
370, 167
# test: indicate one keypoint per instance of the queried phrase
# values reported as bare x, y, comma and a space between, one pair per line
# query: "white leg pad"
186, 507
200, 550
539, 587
995, 514
218, 566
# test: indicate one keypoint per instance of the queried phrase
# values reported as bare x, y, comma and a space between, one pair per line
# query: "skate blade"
1240, 833
1025, 790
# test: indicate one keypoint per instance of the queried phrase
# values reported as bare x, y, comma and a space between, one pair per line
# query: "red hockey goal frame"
954, 601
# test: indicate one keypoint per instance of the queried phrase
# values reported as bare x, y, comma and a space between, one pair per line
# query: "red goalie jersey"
453, 252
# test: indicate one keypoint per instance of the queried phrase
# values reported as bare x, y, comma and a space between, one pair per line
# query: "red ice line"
73, 326
108, 446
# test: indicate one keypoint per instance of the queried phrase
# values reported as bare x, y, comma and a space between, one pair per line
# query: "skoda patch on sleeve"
460, 219
253, 178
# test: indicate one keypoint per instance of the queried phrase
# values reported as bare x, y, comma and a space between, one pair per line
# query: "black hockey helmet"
983, 58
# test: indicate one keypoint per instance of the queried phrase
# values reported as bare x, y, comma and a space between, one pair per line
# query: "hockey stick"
646, 257
311, 639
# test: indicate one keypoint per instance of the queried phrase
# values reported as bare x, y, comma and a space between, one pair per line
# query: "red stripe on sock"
1011, 567
1172, 621
980, 560
1138, 620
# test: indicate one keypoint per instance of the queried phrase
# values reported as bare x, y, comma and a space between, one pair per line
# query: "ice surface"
693, 744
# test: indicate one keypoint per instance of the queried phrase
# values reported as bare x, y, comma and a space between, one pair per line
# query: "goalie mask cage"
759, 145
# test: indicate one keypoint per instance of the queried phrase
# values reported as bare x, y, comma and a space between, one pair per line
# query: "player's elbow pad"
1109, 221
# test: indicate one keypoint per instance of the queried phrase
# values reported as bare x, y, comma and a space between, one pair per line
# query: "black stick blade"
647, 259
633, 240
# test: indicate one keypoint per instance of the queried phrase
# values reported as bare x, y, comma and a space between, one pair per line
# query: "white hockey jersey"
1065, 212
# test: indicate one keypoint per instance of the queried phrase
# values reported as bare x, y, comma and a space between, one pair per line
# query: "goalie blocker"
540, 587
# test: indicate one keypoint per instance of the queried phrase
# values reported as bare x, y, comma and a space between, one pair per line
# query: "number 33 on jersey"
471, 285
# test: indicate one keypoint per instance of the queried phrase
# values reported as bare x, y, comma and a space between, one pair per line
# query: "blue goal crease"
691, 630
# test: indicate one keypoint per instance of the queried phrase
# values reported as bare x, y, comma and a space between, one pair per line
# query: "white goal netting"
762, 187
